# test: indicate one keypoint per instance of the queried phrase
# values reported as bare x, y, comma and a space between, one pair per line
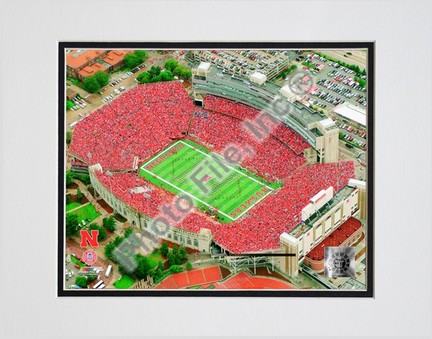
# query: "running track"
211, 275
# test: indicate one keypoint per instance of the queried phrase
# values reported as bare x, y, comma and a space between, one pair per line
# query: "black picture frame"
368, 293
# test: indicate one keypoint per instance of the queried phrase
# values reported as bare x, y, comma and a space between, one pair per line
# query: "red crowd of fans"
272, 159
144, 120
138, 124
261, 227
280, 212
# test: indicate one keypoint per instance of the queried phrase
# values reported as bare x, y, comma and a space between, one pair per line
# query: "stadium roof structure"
351, 112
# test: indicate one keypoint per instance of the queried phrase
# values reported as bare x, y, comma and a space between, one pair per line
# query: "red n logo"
92, 240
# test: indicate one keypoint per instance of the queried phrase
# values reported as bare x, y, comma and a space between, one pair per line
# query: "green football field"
231, 190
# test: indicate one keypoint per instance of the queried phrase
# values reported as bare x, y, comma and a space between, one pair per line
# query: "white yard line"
160, 154
241, 214
193, 197
226, 164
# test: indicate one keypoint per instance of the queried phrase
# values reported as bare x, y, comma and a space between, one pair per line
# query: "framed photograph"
216, 169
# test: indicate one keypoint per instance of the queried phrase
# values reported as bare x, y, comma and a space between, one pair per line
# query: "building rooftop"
91, 70
204, 66
336, 238
351, 112
115, 56
78, 58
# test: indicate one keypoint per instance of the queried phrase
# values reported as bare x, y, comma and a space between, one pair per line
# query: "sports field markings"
269, 189
183, 191
226, 164
160, 154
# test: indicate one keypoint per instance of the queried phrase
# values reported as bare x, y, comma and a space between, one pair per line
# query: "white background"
28, 168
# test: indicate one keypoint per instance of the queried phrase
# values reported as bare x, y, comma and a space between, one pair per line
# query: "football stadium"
157, 140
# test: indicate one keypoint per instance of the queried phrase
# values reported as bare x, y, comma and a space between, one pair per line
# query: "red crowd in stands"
262, 226
138, 124
144, 120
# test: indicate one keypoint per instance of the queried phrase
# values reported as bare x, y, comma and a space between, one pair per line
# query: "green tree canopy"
144, 78
68, 137
143, 267
69, 104
102, 78
164, 249
79, 194
91, 85
143, 55
71, 224
81, 281
154, 71
171, 64
109, 223
166, 76
182, 253
102, 233
188, 266
132, 60
69, 178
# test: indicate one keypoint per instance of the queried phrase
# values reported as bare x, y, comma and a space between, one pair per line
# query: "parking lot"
246, 62
335, 84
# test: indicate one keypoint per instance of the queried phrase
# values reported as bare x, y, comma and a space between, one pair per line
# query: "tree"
69, 104
157, 78
131, 60
171, 258
84, 178
171, 64
128, 232
69, 178
102, 233
175, 253
144, 78
186, 74
91, 278
166, 76
176, 268
91, 85
143, 55
143, 267
182, 254
80, 195
164, 249
109, 250
160, 266
68, 137
71, 224
154, 71
68, 199
109, 223
188, 266
102, 78
81, 281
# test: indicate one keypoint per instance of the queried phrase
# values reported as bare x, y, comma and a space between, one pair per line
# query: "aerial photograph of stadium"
204, 170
